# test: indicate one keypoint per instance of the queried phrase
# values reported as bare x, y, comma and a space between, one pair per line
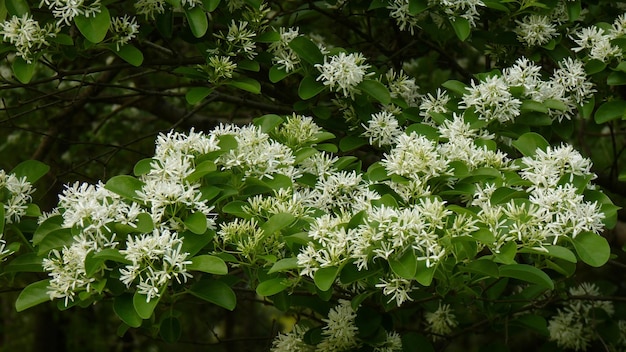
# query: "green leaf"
284, 264
349, 143
196, 223
462, 28
592, 249
309, 87
246, 83
143, 167
528, 143
616, 78
32, 295
404, 265
325, 277
201, 170
484, 267
111, 254
268, 122
277, 222
55, 239
51, 224
144, 308
573, 10
272, 286
534, 322
235, 208
611, 110
94, 28
33, 170
268, 37
216, 292
211, 5
124, 185
170, 329
531, 105
424, 274
306, 50
505, 194
128, 53
376, 90
208, 264
554, 251
23, 70
28, 262
249, 65
456, 87
277, 74
198, 21
507, 253
527, 273
594, 66
17, 7
417, 6
125, 310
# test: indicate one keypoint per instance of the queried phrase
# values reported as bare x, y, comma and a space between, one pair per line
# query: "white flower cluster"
284, 56
15, 195
298, 131
66, 10
94, 212
574, 326
339, 334
150, 8
220, 67
239, 39
535, 30
382, 129
598, 42
343, 72
26, 35
492, 98
124, 30
156, 259
441, 322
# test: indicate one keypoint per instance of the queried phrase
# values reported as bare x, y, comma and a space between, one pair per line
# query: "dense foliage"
385, 175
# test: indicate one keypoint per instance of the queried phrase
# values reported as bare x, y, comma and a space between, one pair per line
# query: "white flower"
222, 67
415, 156
535, 30
292, 341
149, 8
397, 288
340, 332
343, 72
382, 129
125, 29
431, 104
26, 35
156, 259
572, 79
597, 42
399, 10
464, 8
284, 56
239, 39
441, 322
298, 131
492, 100
66, 10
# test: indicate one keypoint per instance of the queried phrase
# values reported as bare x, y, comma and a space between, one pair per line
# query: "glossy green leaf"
216, 292
94, 28
211, 5
573, 10
616, 78
284, 264
527, 273
424, 274
112, 254
198, 21
462, 28
306, 50
277, 222
594, 66
33, 170
349, 143
143, 167
28, 262
128, 53
208, 264
277, 74
51, 224
592, 249
404, 265
55, 239
417, 6
309, 87
32, 295
124, 185
528, 143
272, 286
196, 223
483, 267
268, 122
611, 110
507, 253
376, 90
196, 94
456, 87
23, 70
143, 307
245, 83
125, 310
325, 277
17, 7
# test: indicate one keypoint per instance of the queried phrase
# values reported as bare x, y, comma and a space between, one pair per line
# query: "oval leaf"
129, 53
376, 90
325, 277
32, 295
215, 292
592, 249
527, 273
94, 28
198, 21
208, 264
125, 310
272, 287
124, 185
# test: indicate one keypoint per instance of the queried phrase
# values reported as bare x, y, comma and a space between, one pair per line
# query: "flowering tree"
386, 175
